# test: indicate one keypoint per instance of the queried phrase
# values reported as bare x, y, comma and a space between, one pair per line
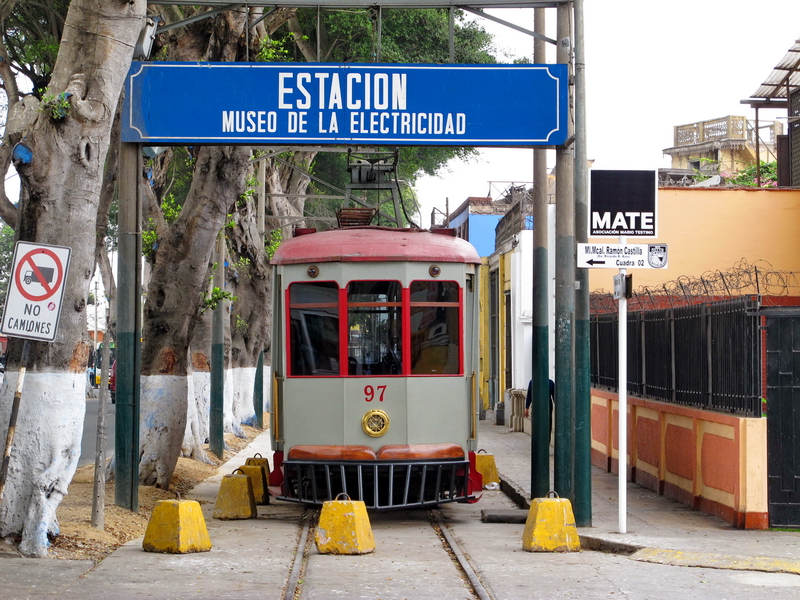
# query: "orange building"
712, 229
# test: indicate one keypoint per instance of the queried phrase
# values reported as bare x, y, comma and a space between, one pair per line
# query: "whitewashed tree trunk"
45, 456
163, 409
60, 194
177, 283
242, 387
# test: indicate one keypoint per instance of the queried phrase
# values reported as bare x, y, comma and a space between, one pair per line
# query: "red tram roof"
374, 244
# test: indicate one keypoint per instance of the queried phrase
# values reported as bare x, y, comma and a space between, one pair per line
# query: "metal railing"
380, 485
704, 355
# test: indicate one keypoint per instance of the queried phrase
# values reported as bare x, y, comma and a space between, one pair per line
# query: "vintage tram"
374, 362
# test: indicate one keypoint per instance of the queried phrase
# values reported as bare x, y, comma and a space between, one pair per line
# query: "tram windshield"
374, 312
434, 327
389, 330
314, 341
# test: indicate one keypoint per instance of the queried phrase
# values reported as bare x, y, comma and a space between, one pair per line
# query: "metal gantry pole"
129, 327
565, 288
540, 382
583, 396
216, 436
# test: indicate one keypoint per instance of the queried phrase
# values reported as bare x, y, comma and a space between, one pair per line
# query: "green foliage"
170, 209
6, 258
58, 106
31, 35
241, 325
747, 176
180, 172
42, 52
249, 191
214, 297
276, 50
271, 244
407, 36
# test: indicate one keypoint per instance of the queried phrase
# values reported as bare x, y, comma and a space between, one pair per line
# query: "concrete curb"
663, 556
713, 560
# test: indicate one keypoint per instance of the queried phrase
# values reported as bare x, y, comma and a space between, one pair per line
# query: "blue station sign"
314, 103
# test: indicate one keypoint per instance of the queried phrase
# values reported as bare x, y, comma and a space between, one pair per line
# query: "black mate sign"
623, 203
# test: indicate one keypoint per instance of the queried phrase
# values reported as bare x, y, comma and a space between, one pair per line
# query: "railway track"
416, 556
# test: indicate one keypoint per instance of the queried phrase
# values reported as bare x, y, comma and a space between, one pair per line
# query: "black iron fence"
703, 355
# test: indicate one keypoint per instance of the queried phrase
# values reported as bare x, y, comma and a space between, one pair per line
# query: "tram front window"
314, 342
434, 327
375, 328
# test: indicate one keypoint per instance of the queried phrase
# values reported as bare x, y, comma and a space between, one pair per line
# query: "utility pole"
129, 327
565, 286
540, 382
583, 394
216, 436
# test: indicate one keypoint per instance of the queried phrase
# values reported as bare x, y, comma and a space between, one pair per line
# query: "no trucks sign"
33, 302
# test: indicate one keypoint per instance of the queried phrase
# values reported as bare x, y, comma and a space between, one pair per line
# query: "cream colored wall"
713, 229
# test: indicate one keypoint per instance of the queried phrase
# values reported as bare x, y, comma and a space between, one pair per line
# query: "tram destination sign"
314, 103
623, 256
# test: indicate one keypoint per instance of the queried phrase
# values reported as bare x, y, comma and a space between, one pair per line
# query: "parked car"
112, 382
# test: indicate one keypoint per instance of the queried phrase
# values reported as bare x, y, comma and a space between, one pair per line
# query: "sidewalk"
659, 529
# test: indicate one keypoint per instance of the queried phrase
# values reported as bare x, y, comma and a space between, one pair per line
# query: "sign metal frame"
353, 103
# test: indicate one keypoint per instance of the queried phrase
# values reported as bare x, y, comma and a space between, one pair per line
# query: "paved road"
88, 446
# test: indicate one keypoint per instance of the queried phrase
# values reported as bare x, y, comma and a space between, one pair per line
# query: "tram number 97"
370, 393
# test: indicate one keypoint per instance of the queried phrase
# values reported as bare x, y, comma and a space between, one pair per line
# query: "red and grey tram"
374, 362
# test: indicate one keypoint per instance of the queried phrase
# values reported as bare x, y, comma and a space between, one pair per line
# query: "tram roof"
375, 244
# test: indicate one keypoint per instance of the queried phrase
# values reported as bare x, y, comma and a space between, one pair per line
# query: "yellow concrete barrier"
235, 499
258, 460
258, 479
550, 527
485, 465
344, 528
176, 527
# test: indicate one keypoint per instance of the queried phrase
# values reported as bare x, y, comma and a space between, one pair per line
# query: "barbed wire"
742, 279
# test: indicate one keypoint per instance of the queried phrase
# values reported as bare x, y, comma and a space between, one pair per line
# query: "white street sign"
622, 256
35, 291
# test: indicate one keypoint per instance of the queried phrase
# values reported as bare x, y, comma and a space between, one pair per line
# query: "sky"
649, 67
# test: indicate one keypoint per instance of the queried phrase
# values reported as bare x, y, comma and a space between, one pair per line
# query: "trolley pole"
583, 396
565, 288
540, 382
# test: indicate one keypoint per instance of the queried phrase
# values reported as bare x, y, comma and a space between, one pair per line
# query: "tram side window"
314, 327
434, 327
374, 312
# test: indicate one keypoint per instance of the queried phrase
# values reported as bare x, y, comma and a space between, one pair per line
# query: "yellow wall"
713, 229
483, 325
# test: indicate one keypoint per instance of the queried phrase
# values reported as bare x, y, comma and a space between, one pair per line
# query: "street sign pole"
622, 462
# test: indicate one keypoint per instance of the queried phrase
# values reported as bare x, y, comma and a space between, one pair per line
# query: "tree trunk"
250, 278
199, 405
174, 299
60, 196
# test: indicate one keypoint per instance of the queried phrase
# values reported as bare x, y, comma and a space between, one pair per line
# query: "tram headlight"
375, 423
